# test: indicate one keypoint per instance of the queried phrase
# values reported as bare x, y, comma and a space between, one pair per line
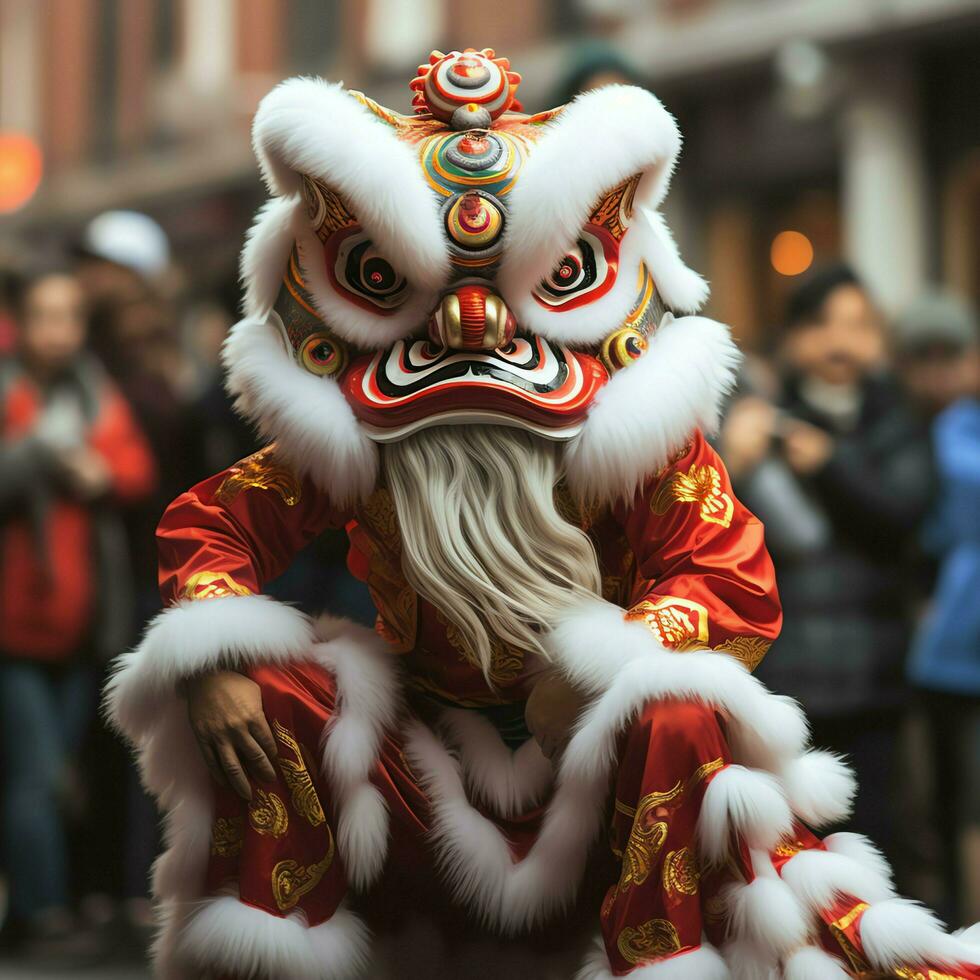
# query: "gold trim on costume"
645, 842
700, 485
260, 472
291, 881
298, 779
655, 937
226, 836
212, 585
268, 815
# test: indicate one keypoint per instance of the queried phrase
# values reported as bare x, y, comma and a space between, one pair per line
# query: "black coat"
843, 543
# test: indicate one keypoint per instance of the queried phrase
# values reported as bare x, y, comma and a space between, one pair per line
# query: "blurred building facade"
851, 122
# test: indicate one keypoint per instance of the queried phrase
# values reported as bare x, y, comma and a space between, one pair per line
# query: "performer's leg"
275, 879
653, 913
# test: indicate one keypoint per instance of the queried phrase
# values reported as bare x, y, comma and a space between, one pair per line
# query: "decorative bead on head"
467, 89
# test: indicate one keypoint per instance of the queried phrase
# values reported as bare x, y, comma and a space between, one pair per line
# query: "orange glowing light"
20, 170
791, 253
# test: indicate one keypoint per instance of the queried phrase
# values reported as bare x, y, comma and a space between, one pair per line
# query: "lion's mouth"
531, 383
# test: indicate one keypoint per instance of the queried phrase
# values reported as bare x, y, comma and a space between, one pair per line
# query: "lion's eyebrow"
311, 129
598, 142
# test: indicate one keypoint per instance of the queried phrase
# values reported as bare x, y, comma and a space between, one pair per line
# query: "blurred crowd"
855, 440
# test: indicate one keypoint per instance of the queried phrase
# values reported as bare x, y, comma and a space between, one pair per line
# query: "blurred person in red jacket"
72, 457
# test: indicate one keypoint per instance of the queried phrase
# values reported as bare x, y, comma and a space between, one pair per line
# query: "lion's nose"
472, 318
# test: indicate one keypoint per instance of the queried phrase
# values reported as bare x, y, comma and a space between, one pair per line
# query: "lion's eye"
584, 274
357, 267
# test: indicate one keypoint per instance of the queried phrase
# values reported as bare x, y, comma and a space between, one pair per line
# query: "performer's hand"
225, 711
552, 708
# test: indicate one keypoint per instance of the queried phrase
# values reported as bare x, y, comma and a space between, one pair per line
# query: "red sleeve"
708, 581
119, 440
237, 530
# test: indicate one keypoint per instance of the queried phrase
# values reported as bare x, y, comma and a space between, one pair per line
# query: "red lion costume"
473, 276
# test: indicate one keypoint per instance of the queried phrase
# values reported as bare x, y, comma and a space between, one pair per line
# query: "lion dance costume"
479, 300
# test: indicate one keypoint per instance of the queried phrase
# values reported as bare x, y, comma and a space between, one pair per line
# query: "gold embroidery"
656, 937
298, 778
748, 649
789, 848
212, 585
267, 815
581, 515
506, 663
395, 599
680, 875
702, 772
646, 839
291, 881
260, 471
226, 837
851, 951
701, 485
672, 620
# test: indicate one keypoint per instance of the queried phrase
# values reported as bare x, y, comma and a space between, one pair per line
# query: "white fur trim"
970, 935
702, 963
819, 877
368, 704
622, 663
747, 961
224, 934
190, 637
266, 253
898, 931
746, 801
307, 416
474, 855
765, 912
308, 126
507, 782
573, 155
813, 963
651, 408
858, 848
820, 786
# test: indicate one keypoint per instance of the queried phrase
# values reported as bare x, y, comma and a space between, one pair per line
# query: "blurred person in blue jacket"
938, 352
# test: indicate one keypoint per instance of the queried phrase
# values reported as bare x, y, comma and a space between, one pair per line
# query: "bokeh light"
20, 170
791, 253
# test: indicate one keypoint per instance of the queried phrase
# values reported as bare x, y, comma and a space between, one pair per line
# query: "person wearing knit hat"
937, 346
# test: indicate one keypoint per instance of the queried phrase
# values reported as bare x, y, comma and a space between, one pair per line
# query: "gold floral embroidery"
681, 874
672, 620
212, 585
226, 837
260, 471
268, 815
655, 937
298, 779
701, 485
291, 880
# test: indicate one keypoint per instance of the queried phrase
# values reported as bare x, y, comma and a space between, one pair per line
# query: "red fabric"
707, 552
46, 606
722, 569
